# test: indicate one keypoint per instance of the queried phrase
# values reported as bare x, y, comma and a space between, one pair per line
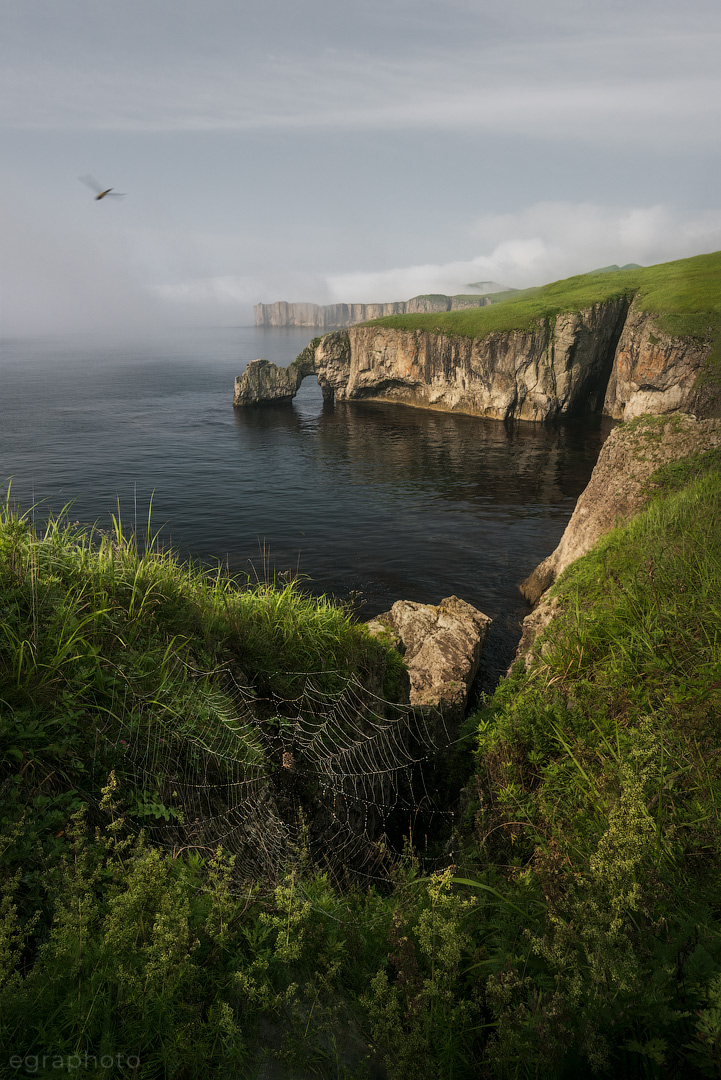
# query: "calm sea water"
371, 502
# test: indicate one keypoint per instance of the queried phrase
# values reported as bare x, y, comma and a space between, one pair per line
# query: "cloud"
232, 295
542, 243
617, 75
219, 291
68, 277
351, 91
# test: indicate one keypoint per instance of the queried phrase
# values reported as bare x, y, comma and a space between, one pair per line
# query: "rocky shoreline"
619, 487
442, 644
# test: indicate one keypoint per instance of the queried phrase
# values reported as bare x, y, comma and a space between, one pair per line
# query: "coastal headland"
625, 343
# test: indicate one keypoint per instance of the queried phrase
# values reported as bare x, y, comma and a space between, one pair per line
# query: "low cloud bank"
543, 243
75, 278
538, 244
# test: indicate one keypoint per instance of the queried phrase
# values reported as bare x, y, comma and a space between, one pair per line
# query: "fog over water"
368, 502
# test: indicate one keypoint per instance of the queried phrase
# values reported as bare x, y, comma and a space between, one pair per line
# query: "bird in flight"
100, 193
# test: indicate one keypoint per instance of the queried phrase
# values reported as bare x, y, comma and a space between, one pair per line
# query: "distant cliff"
282, 313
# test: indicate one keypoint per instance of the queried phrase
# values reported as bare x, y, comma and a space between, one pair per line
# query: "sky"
331, 152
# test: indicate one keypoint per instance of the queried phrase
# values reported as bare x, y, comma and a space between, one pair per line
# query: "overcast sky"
329, 151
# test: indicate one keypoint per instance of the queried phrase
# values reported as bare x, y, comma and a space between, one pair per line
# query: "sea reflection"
415, 503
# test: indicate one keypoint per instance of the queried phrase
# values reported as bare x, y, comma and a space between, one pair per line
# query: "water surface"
371, 502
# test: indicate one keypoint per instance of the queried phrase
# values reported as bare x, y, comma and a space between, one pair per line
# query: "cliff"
657, 372
282, 313
624, 343
534, 374
606, 358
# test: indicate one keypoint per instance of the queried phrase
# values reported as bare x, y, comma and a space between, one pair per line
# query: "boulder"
441, 645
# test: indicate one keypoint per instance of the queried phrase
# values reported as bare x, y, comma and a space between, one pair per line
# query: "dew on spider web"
330, 773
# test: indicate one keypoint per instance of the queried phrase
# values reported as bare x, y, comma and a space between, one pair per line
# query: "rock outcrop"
654, 372
328, 358
263, 381
441, 645
618, 489
325, 316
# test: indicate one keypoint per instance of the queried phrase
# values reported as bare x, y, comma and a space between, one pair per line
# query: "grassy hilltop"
686, 295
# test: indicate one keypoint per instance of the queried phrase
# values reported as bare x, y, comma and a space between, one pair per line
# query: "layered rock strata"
441, 646
655, 372
325, 316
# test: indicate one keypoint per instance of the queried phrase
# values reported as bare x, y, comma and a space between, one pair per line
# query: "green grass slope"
112, 659
598, 787
685, 294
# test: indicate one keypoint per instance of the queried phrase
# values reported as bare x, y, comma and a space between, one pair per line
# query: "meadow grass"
108, 645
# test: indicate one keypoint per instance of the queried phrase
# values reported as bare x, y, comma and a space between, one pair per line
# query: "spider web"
339, 777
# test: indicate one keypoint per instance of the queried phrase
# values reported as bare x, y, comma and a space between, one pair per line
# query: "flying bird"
100, 193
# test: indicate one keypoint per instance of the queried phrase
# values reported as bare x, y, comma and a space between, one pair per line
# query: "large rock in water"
263, 381
441, 645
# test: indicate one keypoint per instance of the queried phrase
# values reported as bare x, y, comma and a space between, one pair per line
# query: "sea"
366, 502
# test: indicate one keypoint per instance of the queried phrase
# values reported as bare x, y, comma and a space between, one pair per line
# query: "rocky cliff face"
654, 372
560, 368
532, 375
611, 357
282, 313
